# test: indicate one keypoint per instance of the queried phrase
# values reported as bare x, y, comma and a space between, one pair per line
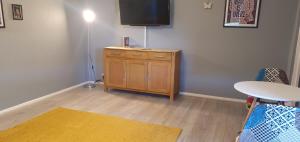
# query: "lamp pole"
89, 17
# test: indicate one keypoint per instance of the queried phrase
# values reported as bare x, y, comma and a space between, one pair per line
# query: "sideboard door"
159, 76
115, 72
137, 75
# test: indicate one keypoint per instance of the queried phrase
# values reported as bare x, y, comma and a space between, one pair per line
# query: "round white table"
269, 90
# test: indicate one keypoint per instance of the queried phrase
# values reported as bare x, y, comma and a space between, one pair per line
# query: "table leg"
281, 103
249, 112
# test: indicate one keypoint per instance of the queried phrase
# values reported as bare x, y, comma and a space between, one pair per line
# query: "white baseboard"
101, 83
42, 98
81, 84
212, 97
205, 96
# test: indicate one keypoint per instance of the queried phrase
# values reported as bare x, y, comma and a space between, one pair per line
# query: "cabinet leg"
172, 98
105, 89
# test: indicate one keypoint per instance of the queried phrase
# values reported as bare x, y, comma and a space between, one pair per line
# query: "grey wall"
46, 51
214, 58
43, 53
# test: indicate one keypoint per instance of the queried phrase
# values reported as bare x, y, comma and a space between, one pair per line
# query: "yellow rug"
65, 125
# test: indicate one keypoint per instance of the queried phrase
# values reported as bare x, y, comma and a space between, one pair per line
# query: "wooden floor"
202, 120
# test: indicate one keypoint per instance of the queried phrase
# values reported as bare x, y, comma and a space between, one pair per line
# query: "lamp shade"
89, 16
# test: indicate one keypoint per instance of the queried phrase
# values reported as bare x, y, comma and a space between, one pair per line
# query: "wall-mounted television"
145, 12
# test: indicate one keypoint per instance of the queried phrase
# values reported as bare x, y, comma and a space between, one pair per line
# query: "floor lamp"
89, 17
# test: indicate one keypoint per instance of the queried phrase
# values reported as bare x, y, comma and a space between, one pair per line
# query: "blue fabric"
291, 135
247, 136
261, 75
272, 123
255, 118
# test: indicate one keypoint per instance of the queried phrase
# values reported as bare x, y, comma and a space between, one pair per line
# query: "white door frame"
296, 68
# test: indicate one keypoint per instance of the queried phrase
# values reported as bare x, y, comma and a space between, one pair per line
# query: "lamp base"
90, 85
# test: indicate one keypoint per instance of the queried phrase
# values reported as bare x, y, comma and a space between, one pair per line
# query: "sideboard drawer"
115, 53
160, 56
136, 55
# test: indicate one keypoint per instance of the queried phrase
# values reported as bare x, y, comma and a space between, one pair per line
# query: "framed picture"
2, 23
17, 12
242, 13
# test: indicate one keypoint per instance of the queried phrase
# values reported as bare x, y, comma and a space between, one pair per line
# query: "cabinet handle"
137, 54
115, 53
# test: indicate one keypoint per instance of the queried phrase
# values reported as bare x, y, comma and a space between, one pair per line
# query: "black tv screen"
145, 12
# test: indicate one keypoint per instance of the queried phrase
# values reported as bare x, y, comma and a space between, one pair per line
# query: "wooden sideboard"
142, 70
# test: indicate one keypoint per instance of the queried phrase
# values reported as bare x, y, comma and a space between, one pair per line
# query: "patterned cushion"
272, 123
275, 75
272, 75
